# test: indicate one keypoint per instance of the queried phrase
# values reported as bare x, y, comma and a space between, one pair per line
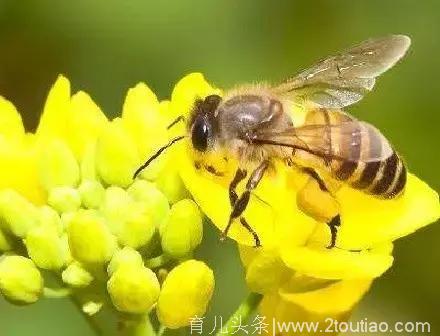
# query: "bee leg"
251, 230
241, 203
334, 224
239, 176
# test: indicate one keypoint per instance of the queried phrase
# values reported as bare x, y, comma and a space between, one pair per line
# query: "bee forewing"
343, 79
320, 140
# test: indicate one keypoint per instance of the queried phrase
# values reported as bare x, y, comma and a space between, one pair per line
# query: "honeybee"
253, 123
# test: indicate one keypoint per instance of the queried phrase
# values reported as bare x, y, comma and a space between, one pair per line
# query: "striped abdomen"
358, 154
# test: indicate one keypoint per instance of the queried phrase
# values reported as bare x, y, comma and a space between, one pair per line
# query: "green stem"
157, 262
89, 319
161, 330
77, 302
135, 325
243, 312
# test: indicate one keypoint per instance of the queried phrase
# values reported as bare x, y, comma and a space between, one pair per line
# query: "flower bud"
57, 166
20, 280
49, 217
64, 199
171, 185
148, 193
182, 232
126, 256
92, 194
114, 207
46, 248
133, 289
90, 240
17, 213
137, 228
76, 276
116, 155
191, 283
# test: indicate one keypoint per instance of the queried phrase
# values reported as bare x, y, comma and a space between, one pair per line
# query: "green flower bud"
92, 308
57, 166
90, 240
76, 276
182, 232
116, 155
147, 192
92, 194
125, 256
5, 243
189, 287
49, 217
46, 248
133, 289
17, 213
64, 199
20, 280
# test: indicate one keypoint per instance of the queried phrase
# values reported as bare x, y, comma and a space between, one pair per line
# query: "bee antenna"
156, 155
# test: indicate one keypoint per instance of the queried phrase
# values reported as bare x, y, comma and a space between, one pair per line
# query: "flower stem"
89, 319
135, 325
242, 314
158, 261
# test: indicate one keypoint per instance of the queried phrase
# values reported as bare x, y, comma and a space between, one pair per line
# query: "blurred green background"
105, 47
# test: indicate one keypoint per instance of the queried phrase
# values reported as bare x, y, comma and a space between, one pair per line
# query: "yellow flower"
67, 193
294, 249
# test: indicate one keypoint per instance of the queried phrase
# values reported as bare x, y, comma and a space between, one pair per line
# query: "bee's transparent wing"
344, 79
340, 142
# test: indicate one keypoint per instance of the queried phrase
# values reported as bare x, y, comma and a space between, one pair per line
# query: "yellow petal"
271, 212
317, 261
187, 90
368, 221
11, 125
54, 120
285, 318
86, 122
266, 272
337, 297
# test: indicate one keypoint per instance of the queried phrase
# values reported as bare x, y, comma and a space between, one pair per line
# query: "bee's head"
203, 126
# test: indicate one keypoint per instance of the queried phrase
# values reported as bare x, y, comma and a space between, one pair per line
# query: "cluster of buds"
104, 236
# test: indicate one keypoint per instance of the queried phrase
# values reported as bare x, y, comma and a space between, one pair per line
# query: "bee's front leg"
239, 204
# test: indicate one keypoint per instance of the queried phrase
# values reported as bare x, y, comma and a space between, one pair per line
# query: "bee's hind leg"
325, 197
239, 204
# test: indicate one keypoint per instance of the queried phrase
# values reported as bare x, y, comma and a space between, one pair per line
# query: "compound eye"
200, 134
